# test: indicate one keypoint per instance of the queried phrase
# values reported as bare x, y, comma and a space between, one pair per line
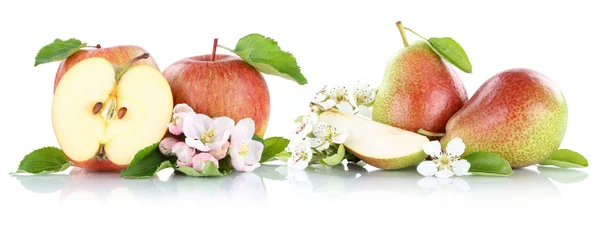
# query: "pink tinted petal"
166, 145
194, 125
220, 154
255, 150
179, 108
222, 124
175, 130
246, 127
197, 163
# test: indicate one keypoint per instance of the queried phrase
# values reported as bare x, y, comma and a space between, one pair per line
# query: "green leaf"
58, 50
146, 163
210, 170
266, 56
565, 158
452, 52
273, 146
337, 157
488, 164
283, 156
259, 139
43, 161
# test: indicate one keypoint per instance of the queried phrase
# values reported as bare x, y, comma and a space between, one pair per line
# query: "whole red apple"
117, 55
221, 85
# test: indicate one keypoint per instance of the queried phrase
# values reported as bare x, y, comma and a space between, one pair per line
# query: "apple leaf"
450, 50
210, 170
147, 162
43, 161
273, 146
565, 158
259, 139
488, 164
337, 157
266, 56
58, 50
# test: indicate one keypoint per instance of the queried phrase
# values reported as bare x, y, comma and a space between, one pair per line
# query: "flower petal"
316, 142
221, 124
166, 145
184, 154
321, 130
175, 129
433, 148
455, 147
196, 144
445, 173
365, 111
427, 168
340, 136
345, 107
255, 150
327, 104
179, 108
194, 125
461, 167
460, 184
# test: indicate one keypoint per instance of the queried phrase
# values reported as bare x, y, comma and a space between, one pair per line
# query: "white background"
335, 43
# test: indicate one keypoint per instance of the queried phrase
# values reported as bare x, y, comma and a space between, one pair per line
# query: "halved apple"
378, 144
103, 115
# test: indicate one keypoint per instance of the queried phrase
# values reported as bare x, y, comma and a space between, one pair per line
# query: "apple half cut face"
99, 118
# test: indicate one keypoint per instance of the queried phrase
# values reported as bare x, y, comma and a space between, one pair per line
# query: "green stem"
223, 47
408, 29
123, 69
401, 29
429, 133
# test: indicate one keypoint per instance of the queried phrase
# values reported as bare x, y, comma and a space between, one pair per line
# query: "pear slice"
378, 144
102, 120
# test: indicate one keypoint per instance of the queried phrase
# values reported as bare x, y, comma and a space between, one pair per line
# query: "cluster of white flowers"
338, 97
313, 137
211, 139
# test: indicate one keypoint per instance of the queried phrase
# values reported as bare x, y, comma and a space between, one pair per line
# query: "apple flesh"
225, 86
117, 55
102, 116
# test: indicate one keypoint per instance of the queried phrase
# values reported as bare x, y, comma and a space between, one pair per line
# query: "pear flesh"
378, 144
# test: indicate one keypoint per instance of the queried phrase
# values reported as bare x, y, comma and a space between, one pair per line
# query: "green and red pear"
519, 114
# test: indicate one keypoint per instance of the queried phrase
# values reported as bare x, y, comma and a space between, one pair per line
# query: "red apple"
221, 85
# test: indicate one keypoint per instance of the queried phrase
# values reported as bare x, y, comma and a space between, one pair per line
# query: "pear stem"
429, 133
214, 51
401, 29
128, 65
408, 29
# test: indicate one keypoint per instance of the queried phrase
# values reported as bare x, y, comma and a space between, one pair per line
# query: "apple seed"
121, 112
97, 108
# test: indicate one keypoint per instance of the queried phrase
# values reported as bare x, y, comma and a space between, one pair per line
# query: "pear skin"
519, 114
419, 90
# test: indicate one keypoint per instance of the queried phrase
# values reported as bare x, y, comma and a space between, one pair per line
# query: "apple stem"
401, 29
429, 133
97, 46
128, 64
214, 51
408, 29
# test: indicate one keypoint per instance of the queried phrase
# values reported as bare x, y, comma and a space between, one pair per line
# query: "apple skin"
227, 86
117, 55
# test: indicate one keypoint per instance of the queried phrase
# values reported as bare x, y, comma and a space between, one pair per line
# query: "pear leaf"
266, 56
337, 157
43, 161
565, 158
147, 162
273, 147
488, 164
450, 50
58, 50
